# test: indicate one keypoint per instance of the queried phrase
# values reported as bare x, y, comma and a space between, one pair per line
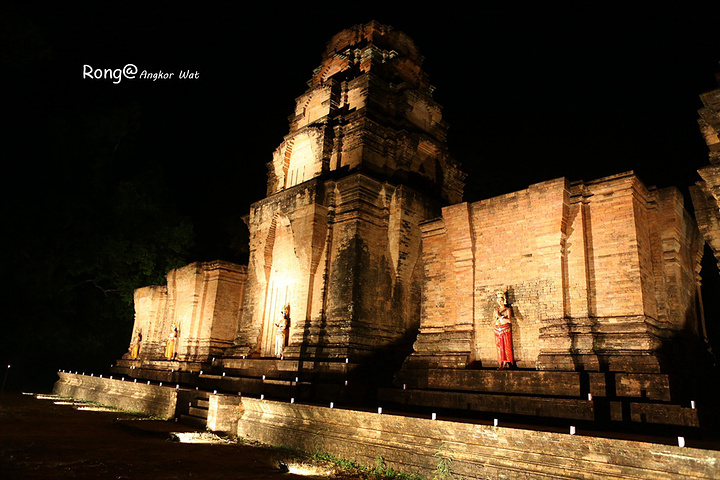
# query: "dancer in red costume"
503, 332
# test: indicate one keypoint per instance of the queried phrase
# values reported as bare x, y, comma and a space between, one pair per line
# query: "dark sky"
531, 93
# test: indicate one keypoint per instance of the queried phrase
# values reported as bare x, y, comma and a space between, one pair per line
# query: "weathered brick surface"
345, 255
598, 274
357, 116
223, 413
655, 398
127, 395
706, 193
337, 237
417, 445
150, 305
202, 299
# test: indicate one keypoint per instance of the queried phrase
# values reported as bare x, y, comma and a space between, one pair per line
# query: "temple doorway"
282, 287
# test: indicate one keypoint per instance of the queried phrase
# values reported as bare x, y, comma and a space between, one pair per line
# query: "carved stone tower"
337, 238
706, 193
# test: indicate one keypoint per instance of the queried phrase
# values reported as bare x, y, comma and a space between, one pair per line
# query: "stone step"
250, 367
549, 407
647, 386
193, 421
567, 408
284, 388
275, 381
198, 412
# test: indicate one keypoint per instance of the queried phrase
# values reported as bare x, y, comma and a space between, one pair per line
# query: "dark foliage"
87, 220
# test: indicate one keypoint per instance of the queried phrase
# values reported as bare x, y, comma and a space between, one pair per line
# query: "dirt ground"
43, 440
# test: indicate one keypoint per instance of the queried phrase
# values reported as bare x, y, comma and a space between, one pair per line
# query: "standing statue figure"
283, 327
135, 348
503, 331
170, 347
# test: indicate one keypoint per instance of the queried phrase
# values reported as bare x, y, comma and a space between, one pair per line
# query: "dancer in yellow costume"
170, 347
135, 349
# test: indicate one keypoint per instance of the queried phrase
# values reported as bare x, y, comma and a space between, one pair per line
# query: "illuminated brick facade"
369, 108
601, 275
337, 238
202, 300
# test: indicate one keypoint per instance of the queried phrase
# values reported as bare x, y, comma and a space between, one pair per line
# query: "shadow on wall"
710, 291
379, 368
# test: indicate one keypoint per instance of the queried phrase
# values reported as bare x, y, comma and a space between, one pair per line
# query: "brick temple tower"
335, 245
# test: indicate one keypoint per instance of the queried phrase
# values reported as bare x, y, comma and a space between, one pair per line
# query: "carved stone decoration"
135, 346
369, 107
281, 334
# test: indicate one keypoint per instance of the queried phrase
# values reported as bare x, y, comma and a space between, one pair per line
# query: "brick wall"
596, 272
419, 445
346, 256
203, 300
124, 394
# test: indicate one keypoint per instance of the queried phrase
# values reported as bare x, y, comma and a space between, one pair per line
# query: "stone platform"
470, 451
588, 396
410, 444
270, 377
120, 393
608, 398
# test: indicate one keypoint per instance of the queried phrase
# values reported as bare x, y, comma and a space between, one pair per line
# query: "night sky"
531, 93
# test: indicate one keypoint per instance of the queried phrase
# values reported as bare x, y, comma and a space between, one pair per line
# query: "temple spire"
369, 108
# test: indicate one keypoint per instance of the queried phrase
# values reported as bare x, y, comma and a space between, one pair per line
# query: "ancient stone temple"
336, 241
334, 270
568, 299
371, 284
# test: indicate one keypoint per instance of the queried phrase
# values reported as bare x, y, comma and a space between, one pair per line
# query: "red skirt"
503, 341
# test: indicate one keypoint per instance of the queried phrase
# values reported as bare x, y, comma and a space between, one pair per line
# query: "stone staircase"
284, 380
197, 411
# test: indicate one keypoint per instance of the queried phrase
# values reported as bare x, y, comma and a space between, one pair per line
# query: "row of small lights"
347, 360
